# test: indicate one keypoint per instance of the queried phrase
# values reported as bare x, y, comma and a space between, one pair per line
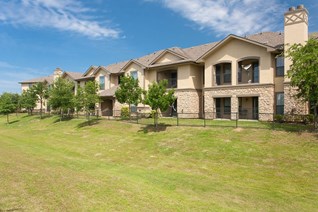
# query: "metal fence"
292, 122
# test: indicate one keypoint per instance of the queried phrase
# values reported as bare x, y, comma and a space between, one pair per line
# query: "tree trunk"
129, 108
156, 119
41, 101
8, 118
315, 116
61, 114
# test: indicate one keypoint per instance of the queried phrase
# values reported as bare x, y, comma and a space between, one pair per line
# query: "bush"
124, 112
279, 118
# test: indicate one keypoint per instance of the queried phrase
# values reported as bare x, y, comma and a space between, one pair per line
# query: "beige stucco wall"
113, 80
25, 86
150, 77
279, 84
140, 71
294, 33
107, 78
233, 51
167, 58
189, 77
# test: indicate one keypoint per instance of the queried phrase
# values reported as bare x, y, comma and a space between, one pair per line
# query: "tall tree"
28, 100
159, 98
61, 96
303, 72
7, 104
41, 90
129, 91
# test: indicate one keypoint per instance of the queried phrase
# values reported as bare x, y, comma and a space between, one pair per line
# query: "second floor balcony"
171, 76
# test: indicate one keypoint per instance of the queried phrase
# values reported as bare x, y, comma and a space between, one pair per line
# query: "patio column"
234, 107
234, 73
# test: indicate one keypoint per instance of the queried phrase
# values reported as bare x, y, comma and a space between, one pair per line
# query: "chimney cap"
301, 6
292, 9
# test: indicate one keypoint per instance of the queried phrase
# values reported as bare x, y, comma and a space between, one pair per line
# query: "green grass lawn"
112, 165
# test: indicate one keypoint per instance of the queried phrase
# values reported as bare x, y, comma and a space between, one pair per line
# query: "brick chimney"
295, 29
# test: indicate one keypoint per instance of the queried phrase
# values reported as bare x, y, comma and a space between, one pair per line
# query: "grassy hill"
111, 165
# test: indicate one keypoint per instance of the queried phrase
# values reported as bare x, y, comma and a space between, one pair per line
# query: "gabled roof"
89, 69
116, 67
231, 37
73, 75
103, 68
130, 62
174, 51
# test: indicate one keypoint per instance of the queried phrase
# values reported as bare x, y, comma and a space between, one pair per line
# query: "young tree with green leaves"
78, 100
61, 96
159, 98
303, 72
28, 100
41, 90
91, 97
7, 104
129, 91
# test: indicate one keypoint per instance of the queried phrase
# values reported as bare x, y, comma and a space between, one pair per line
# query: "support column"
234, 107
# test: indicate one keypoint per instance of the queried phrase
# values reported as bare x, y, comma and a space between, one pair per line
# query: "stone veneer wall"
293, 105
264, 92
189, 103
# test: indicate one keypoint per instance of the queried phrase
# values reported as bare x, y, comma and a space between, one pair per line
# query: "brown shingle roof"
48, 79
109, 92
74, 75
273, 39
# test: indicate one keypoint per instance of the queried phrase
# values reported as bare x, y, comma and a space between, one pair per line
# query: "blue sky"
36, 36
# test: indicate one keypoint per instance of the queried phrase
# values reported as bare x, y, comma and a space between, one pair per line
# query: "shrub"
279, 118
124, 112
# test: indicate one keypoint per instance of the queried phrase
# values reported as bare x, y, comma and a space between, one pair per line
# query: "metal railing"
209, 119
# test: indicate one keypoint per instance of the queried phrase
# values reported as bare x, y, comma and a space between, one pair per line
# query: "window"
280, 103
119, 79
227, 105
223, 73
218, 74
239, 74
279, 66
133, 108
102, 82
134, 74
255, 72
227, 73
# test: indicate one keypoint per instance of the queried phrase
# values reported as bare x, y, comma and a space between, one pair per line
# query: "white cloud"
64, 15
229, 16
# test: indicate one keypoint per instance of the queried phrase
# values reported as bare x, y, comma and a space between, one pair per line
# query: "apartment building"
237, 77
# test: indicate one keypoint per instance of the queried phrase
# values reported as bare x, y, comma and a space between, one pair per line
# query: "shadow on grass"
88, 123
12, 122
151, 128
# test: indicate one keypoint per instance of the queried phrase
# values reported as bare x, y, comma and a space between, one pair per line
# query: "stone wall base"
293, 105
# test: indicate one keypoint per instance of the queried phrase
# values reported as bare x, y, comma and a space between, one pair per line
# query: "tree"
303, 72
61, 96
41, 90
90, 97
28, 100
78, 100
7, 104
129, 91
159, 98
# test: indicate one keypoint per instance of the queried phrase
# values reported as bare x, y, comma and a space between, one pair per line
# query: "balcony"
171, 76
248, 71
